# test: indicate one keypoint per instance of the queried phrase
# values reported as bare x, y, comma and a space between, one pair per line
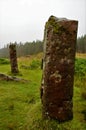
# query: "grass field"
20, 104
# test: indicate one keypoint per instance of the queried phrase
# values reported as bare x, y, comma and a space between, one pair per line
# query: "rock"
11, 78
58, 68
13, 58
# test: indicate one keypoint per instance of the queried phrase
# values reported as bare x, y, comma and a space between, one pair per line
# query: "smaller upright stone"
13, 58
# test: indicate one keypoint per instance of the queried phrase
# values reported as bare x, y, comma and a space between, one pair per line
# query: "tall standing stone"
58, 68
13, 58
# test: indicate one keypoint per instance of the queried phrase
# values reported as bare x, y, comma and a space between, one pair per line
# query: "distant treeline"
30, 48
81, 44
23, 49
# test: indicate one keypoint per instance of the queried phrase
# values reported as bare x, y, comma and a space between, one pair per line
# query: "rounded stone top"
57, 19
56, 24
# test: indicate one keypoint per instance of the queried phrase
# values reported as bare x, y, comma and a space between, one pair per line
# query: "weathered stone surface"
58, 68
13, 58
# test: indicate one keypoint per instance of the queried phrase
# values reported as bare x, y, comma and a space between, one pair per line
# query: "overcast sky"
24, 20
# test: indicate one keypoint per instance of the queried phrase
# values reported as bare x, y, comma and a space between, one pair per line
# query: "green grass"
20, 104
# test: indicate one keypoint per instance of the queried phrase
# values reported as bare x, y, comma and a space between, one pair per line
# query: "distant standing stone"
13, 58
58, 68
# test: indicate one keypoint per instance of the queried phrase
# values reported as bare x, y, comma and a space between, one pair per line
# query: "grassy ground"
20, 105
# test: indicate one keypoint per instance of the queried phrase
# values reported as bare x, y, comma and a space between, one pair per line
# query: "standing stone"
13, 58
58, 68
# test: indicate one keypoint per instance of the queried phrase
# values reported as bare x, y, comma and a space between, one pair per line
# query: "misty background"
24, 20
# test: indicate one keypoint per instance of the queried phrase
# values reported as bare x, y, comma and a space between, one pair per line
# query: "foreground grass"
20, 105
16, 99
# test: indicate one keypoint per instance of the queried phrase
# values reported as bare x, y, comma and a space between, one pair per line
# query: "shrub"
84, 95
84, 112
4, 61
80, 67
35, 64
80, 72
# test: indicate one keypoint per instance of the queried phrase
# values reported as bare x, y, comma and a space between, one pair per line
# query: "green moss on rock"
53, 22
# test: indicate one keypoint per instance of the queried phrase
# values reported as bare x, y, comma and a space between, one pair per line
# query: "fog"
24, 20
